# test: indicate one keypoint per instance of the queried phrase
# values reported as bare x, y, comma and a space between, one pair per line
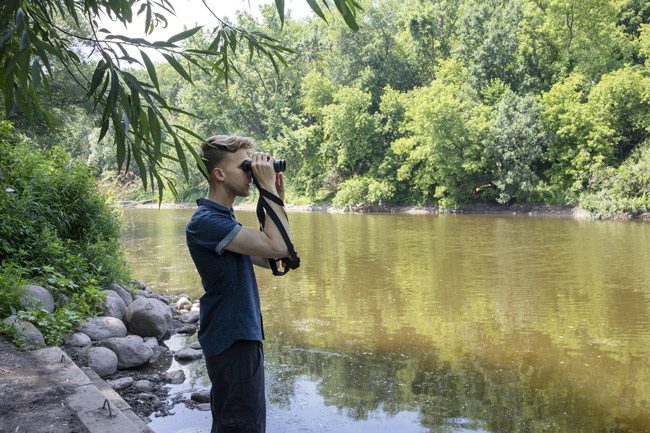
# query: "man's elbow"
280, 251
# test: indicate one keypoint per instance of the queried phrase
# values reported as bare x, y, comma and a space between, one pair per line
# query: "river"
451, 323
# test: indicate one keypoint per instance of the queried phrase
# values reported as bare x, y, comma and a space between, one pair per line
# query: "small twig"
5, 371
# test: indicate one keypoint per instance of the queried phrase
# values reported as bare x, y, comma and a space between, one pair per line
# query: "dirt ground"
29, 402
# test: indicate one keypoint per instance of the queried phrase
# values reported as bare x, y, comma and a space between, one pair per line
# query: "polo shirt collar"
214, 205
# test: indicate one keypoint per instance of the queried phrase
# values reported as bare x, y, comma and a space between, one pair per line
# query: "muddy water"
405, 323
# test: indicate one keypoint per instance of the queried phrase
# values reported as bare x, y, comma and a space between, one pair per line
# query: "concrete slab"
97, 413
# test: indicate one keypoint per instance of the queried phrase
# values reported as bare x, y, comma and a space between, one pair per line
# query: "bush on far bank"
57, 230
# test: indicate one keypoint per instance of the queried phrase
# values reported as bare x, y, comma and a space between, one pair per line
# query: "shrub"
621, 190
57, 230
363, 191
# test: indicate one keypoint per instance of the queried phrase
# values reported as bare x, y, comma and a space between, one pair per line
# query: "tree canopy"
39, 38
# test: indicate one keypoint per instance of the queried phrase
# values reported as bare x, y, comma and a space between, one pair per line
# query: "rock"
203, 407
148, 317
196, 307
202, 396
27, 335
122, 292
121, 384
114, 305
186, 329
131, 350
37, 297
100, 328
102, 360
141, 285
78, 339
188, 354
175, 377
191, 317
196, 345
143, 385
145, 396
183, 303
152, 342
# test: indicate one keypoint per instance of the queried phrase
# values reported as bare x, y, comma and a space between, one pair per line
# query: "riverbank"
470, 209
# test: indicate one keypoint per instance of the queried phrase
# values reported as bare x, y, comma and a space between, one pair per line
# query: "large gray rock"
100, 328
188, 354
78, 339
141, 285
121, 383
175, 377
27, 335
131, 351
191, 317
149, 317
143, 385
122, 292
37, 297
201, 396
102, 360
114, 305
183, 303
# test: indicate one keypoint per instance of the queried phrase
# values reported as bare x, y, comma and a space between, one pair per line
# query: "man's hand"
262, 167
279, 185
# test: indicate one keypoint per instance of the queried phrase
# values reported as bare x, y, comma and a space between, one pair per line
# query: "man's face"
235, 179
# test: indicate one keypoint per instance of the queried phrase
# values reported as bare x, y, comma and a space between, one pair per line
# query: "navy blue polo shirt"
230, 307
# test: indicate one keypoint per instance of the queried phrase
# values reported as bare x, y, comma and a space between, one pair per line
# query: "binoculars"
278, 165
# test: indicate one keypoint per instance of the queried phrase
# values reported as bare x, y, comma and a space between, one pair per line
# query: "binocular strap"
291, 262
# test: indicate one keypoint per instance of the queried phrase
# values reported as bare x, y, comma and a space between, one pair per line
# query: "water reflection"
458, 323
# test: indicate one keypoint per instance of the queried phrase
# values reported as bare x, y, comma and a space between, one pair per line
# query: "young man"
224, 252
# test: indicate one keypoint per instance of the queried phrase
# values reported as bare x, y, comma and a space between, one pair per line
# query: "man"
231, 330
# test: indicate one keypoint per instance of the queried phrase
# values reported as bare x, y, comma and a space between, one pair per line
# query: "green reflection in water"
508, 324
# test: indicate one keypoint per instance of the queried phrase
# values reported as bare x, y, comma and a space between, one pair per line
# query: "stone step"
97, 405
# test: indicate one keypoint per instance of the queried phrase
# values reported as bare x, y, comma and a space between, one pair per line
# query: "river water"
420, 323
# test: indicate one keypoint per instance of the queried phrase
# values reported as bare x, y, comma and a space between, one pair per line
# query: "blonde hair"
216, 147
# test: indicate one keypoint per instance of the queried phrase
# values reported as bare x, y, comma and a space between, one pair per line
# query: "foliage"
57, 231
362, 191
37, 40
622, 190
513, 147
448, 102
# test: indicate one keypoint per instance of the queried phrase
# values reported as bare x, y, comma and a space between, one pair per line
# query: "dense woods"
442, 103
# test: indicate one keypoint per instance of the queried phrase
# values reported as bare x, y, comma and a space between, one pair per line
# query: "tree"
37, 39
513, 147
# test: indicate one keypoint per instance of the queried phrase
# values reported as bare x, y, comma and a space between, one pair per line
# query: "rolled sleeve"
229, 237
212, 231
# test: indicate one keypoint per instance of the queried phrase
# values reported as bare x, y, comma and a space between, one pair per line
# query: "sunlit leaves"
140, 117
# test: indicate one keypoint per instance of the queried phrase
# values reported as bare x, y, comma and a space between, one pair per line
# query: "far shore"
471, 209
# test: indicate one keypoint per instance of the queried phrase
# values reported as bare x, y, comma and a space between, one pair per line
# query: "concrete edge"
95, 403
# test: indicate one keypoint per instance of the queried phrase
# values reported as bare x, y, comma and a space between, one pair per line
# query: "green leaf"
184, 35
348, 15
154, 129
119, 141
20, 17
179, 68
7, 35
279, 4
314, 6
24, 40
181, 158
36, 73
97, 78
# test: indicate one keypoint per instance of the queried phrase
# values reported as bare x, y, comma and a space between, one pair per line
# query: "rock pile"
127, 343
128, 335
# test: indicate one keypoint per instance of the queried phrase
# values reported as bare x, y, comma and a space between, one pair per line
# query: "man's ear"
217, 173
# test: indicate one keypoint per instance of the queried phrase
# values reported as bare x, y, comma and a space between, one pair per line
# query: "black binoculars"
278, 165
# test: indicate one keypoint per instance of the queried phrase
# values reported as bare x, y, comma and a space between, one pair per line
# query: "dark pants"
237, 397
